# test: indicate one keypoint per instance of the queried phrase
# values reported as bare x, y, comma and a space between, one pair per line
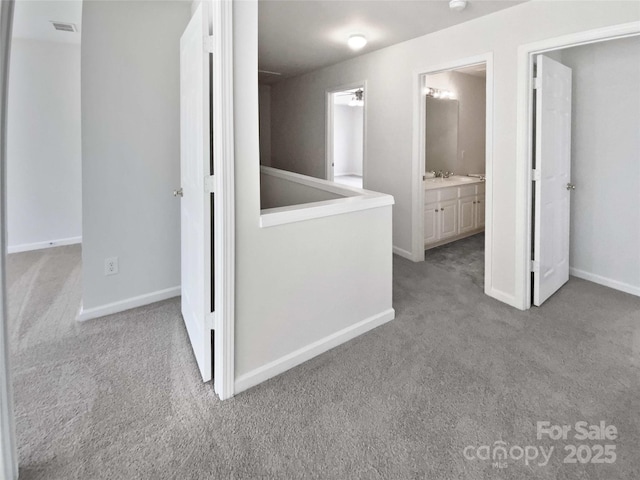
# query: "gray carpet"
463, 258
119, 398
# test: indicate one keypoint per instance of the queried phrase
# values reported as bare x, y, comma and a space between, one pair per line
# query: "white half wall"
605, 162
131, 149
301, 287
278, 192
298, 112
44, 194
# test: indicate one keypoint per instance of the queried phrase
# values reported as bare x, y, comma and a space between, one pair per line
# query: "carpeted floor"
464, 258
119, 398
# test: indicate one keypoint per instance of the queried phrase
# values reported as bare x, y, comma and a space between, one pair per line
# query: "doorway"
590, 178
454, 147
346, 135
574, 190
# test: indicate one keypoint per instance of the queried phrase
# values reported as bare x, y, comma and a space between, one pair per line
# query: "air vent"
64, 27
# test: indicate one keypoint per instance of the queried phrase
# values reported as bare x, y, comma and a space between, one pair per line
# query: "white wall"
391, 74
348, 142
470, 91
605, 212
44, 194
131, 148
264, 95
302, 282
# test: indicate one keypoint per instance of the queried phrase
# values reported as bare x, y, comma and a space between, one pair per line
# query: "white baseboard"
127, 304
26, 247
607, 282
314, 349
503, 297
403, 253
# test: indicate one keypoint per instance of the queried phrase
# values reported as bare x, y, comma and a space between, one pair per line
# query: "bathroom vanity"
453, 209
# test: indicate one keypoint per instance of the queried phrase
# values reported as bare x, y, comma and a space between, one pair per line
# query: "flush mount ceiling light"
458, 5
356, 41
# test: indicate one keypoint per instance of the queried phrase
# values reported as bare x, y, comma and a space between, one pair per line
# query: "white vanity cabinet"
471, 208
452, 213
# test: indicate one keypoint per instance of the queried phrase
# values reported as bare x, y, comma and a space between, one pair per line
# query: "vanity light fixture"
457, 5
356, 41
358, 99
437, 93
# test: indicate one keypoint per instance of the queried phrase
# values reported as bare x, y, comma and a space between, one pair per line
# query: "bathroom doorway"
346, 135
454, 136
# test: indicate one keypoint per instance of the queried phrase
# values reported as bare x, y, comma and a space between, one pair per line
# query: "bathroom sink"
463, 179
453, 181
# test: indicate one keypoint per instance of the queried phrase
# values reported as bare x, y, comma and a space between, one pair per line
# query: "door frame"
328, 174
524, 141
223, 151
419, 134
8, 451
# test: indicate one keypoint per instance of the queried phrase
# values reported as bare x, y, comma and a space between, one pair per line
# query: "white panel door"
553, 169
195, 206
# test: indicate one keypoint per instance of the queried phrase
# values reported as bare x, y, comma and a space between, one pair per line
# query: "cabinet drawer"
450, 193
430, 196
467, 191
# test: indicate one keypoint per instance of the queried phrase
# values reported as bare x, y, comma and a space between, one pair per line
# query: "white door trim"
223, 154
419, 113
328, 173
8, 452
524, 124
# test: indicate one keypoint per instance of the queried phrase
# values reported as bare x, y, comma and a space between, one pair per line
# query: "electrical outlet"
111, 266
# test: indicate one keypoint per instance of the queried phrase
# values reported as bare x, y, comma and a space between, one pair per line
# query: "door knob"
178, 193
571, 186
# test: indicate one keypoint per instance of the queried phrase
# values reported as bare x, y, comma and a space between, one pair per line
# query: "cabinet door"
448, 219
480, 206
467, 214
431, 223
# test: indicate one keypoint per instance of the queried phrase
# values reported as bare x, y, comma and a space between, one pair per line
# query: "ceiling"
479, 70
32, 19
298, 36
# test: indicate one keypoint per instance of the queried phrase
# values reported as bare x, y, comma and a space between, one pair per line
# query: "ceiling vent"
64, 27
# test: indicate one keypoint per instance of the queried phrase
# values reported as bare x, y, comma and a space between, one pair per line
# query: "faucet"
441, 174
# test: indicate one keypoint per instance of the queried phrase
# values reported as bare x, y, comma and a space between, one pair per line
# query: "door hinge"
535, 266
208, 44
535, 175
210, 184
536, 83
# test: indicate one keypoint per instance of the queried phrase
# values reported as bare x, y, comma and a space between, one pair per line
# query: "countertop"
454, 181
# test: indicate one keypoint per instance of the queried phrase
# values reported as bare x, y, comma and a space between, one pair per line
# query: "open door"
195, 210
552, 177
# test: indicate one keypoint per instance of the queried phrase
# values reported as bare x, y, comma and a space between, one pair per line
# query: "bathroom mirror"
441, 149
